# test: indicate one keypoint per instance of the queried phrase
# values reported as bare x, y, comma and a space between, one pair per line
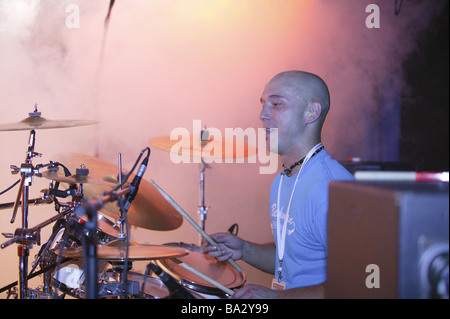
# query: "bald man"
294, 106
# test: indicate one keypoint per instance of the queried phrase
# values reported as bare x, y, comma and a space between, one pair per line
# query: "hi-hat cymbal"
35, 121
214, 147
148, 210
116, 251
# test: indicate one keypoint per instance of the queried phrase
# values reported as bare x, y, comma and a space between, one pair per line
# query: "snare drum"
222, 272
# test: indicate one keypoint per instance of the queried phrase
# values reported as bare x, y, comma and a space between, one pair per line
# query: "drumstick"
204, 277
193, 223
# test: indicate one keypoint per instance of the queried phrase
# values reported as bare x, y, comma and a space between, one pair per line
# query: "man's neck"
296, 155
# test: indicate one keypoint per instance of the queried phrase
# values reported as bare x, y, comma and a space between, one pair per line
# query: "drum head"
197, 258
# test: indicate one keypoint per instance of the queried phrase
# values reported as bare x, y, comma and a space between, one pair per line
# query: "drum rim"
199, 288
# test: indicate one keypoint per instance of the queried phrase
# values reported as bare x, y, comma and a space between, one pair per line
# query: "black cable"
9, 188
60, 258
132, 169
232, 228
146, 275
66, 170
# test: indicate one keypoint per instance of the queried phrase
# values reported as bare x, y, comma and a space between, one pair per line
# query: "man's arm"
260, 292
260, 256
230, 246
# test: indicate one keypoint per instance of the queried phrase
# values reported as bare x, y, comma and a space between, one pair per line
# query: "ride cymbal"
116, 251
215, 147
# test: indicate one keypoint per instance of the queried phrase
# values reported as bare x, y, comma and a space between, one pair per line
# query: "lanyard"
281, 233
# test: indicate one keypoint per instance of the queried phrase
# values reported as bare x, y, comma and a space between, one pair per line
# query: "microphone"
177, 291
134, 186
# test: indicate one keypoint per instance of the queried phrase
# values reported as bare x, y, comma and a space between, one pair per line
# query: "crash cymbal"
116, 251
35, 121
214, 147
74, 179
148, 210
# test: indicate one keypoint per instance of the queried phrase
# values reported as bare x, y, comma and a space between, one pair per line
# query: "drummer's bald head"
310, 87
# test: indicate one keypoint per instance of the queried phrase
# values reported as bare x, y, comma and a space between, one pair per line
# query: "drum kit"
89, 255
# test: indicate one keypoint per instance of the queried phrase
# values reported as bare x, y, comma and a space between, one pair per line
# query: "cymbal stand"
120, 267
203, 210
90, 208
121, 288
34, 234
26, 241
122, 216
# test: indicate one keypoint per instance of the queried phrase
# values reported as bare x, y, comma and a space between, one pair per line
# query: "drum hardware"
150, 287
116, 251
193, 223
203, 210
32, 235
122, 287
81, 177
23, 237
35, 121
148, 210
89, 209
78, 216
177, 291
119, 289
33, 275
119, 248
226, 290
34, 202
197, 147
201, 273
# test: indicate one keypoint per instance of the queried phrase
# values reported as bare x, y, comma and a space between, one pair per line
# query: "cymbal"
215, 147
35, 121
74, 179
148, 210
116, 251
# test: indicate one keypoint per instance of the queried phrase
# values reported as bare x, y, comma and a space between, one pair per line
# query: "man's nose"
265, 114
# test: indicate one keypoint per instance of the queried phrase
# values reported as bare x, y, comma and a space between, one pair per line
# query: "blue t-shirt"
305, 256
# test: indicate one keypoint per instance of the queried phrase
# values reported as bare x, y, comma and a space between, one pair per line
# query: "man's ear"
312, 112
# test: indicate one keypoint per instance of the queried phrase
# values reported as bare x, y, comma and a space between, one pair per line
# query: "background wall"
162, 64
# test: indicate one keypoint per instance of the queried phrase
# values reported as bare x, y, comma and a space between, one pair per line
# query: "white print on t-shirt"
290, 228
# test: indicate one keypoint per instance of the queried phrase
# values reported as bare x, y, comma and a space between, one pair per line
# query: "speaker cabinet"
388, 240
